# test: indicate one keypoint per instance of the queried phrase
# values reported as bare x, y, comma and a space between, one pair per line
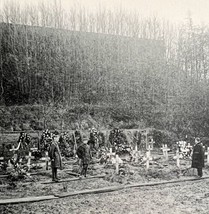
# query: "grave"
177, 158
165, 151
207, 154
111, 155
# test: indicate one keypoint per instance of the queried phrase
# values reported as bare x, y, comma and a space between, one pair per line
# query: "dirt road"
188, 197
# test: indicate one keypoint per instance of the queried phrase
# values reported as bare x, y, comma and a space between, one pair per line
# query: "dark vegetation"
99, 71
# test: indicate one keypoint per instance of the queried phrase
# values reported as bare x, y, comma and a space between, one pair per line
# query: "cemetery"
104, 107
142, 165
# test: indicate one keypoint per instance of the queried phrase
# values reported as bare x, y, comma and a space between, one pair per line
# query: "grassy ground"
172, 198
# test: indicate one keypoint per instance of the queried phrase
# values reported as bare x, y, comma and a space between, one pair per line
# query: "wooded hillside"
132, 69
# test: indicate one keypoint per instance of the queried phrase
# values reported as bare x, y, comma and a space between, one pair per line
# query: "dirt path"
179, 198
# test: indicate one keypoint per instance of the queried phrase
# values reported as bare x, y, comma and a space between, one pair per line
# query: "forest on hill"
61, 69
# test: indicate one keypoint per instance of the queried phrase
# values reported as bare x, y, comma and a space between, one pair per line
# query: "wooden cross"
117, 162
189, 146
177, 158
75, 145
117, 165
136, 155
207, 153
165, 151
47, 160
148, 159
111, 154
29, 157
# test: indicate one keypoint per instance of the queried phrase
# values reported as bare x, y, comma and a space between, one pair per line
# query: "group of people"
83, 153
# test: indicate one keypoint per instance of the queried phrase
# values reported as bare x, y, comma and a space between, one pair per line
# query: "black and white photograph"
104, 106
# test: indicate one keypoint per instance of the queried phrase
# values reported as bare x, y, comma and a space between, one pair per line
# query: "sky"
172, 10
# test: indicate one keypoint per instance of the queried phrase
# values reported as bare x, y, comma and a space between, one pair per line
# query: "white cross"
189, 146
117, 161
136, 155
111, 154
177, 158
151, 144
165, 151
207, 153
29, 157
148, 159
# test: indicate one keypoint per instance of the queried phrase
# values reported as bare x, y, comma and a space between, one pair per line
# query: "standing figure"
55, 156
198, 157
83, 153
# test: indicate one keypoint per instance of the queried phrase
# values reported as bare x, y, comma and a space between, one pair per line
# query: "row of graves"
105, 146
115, 147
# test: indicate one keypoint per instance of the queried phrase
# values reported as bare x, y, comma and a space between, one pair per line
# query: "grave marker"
165, 151
47, 160
117, 165
207, 153
136, 155
148, 159
111, 154
177, 158
29, 157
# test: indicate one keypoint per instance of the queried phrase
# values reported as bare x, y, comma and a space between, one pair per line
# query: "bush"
164, 137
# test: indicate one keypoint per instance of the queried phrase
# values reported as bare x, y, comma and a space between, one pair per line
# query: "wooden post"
117, 165
111, 154
146, 139
136, 154
207, 153
29, 161
165, 151
177, 158
47, 160
148, 158
75, 145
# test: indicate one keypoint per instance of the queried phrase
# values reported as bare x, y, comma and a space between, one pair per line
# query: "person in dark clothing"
92, 144
198, 157
55, 156
83, 153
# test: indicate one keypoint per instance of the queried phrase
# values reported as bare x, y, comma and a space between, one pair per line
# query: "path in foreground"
178, 198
